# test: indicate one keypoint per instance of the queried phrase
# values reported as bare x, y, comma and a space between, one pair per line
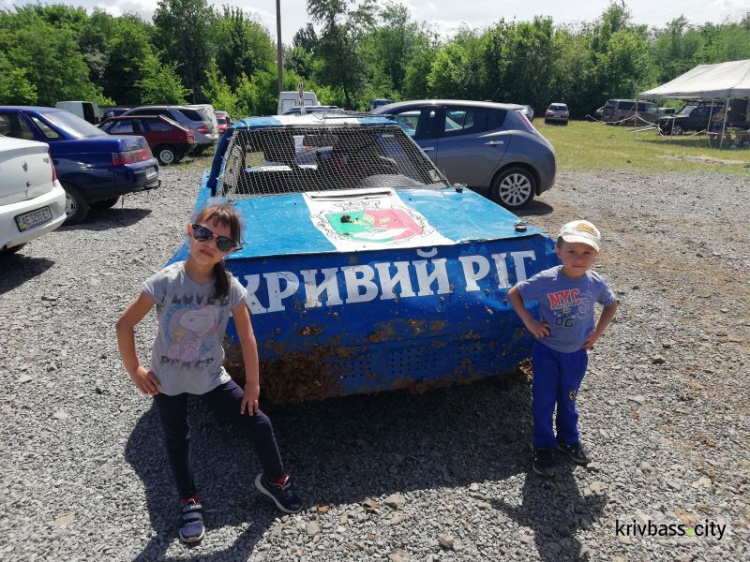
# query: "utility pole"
279, 49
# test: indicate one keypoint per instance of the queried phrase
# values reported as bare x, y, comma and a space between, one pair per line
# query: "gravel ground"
439, 476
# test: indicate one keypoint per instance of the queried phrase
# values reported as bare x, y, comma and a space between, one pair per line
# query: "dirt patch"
705, 160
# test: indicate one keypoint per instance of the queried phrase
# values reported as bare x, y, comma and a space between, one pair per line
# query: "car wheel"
677, 129
166, 155
514, 188
76, 205
105, 204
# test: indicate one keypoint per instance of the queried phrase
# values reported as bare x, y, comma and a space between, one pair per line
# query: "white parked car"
32, 201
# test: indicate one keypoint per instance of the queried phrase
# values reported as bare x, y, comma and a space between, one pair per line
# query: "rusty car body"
365, 269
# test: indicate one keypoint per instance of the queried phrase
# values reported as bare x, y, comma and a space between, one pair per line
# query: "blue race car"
93, 167
365, 269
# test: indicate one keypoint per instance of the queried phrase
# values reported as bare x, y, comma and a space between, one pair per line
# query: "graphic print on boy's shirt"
567, 304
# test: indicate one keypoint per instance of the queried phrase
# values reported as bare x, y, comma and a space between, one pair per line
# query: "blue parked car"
93, 167
365, 269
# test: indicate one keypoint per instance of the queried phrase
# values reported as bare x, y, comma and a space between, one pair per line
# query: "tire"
166, 154
677, 129
76, 205
105, 204
514, 188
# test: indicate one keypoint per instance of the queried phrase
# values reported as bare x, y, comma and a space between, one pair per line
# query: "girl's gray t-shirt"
187, 355
566, 305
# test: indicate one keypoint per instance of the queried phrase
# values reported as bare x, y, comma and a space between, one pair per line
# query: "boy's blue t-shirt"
566, 305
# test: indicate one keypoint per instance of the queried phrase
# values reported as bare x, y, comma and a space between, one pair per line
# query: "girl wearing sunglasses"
193, 302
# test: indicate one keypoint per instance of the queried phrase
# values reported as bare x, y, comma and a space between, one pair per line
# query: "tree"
51, 61
93, 40
242, 45
217, 92
161, 83
15, 88
301, 58
419, 66
184, 36
343, 25
128, 48
626, 66
389, 47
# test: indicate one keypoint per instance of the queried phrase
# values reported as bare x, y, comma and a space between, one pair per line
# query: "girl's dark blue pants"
557, 377
225, 400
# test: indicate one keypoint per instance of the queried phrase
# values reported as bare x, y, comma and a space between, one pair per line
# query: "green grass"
585, 145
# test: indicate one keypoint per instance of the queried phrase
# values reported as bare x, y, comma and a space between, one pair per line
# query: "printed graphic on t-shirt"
568, 304
191, 332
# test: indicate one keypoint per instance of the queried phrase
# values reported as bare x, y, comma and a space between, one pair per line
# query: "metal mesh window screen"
299, 159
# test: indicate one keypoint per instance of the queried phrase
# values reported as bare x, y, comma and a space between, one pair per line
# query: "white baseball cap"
581, 231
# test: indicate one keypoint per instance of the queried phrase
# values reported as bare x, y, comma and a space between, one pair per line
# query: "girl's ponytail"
221, 281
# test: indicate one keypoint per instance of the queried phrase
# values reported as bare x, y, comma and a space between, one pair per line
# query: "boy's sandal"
191, 522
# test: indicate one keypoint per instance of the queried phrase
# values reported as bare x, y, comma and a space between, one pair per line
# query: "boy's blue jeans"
557, 377
225, 399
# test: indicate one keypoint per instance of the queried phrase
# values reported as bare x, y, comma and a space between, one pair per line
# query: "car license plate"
33, 218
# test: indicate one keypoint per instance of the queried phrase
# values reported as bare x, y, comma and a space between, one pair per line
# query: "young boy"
564, 333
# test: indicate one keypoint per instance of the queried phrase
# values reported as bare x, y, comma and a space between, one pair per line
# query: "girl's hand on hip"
250, 399
145, 380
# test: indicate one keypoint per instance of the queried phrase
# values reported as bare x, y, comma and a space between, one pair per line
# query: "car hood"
367, 220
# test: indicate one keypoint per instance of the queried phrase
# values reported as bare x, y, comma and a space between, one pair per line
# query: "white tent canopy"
707, 81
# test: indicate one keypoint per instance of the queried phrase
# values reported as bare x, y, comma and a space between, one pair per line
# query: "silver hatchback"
491, 147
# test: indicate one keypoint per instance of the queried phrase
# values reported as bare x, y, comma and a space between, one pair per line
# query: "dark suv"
690, 118
169, 141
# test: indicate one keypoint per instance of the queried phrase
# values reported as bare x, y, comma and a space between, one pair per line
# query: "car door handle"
494, 143
428, 148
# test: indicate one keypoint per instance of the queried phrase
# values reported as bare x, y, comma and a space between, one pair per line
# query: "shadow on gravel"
554, 510
339, 451
534, 209
225, 469
110, 218
17, 269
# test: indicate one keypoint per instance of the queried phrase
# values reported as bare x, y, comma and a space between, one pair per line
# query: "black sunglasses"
224, 244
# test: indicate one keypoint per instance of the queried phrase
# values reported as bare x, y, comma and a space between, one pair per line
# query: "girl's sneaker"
191, 521
282, 493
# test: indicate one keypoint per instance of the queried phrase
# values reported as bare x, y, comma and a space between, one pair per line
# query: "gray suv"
623, 112
491, 147
194, 119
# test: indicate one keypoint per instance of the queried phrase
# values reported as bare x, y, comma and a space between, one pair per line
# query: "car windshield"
277, 160
686, 110
72, 125
558, 106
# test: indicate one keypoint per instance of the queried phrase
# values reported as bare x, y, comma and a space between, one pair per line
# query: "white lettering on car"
384, 280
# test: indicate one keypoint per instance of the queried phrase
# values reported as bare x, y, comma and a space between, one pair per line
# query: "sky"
448, 15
